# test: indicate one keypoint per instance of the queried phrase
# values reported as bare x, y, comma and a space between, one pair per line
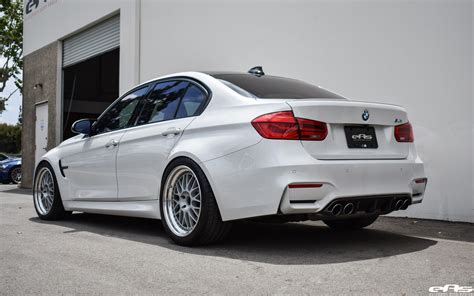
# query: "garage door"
98, 39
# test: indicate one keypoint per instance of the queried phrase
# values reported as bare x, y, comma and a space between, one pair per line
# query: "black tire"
56, 212
11, 176
352, 223
209, 228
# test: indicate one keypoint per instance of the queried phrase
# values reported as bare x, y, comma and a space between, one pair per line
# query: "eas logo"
32, 4
361, 137
451, 288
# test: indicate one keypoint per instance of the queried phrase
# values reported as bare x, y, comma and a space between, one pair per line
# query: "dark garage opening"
89, 88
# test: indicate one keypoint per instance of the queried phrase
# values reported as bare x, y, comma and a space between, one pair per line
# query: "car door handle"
113, 143
171, 131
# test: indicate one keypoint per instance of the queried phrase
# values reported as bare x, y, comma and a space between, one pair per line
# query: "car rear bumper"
255, 181
4, 177
356, 181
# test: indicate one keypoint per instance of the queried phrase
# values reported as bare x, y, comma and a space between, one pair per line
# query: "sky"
10, 115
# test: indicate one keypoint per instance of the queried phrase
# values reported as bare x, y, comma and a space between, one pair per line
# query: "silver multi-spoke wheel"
44, 191
182, 201
16, 175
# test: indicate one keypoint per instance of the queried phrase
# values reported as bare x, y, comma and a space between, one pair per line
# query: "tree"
10, 138
11, 47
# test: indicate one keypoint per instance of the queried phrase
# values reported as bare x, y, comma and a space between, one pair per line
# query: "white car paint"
91, 171
248, 174
143, 156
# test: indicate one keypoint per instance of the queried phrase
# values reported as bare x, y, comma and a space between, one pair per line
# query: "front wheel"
352, 223
189, 211
46, 196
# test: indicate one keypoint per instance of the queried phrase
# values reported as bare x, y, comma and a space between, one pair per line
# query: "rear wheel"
189, 211
15, 175
46, 197
352, 223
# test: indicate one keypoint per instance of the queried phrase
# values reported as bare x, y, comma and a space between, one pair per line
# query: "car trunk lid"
356, 130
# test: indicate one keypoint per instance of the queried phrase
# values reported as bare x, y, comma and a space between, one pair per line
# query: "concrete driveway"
95, 254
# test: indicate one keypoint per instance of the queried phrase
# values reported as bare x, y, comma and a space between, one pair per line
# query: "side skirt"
141, 209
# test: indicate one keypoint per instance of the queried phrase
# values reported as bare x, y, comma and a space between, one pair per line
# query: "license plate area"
361, 137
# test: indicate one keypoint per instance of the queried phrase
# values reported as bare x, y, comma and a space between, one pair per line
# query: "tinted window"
192, 102
3, 157
120, 115
276, 87
162, 103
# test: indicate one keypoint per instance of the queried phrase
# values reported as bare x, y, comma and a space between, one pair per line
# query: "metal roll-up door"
98, 39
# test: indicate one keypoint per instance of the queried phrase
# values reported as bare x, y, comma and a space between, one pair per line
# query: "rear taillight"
404, 133
312, 130
284, 126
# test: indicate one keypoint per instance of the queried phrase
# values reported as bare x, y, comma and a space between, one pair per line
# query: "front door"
91, 167
91, 171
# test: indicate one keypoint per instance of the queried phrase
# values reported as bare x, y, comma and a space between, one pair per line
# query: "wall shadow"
18, 190
288, 244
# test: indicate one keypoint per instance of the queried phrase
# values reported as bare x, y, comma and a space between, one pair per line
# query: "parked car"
200, 150
10, 169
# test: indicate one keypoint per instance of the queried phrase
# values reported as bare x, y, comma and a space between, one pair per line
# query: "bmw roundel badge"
365, 115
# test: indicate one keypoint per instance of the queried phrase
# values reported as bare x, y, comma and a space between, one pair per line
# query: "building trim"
41, 102
59, 94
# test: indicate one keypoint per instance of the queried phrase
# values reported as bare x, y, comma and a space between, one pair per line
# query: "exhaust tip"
336, 209
398, 205
348, 208
405, 204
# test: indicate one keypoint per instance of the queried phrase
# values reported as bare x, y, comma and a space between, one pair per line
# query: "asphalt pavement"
107, 255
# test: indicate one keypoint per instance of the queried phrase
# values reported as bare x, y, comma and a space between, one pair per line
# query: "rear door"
145, 148
356, 130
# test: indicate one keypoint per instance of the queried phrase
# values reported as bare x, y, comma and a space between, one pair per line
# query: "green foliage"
11, 46
10, 138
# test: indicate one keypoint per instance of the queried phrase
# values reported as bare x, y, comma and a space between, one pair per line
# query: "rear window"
273, 87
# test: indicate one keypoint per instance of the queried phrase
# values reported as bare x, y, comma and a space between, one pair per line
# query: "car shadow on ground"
289, 244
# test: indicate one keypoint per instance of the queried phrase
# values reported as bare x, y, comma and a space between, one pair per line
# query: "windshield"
276, 87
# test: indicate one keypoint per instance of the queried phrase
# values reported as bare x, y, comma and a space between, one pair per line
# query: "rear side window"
276, 87
162, 103
192, 102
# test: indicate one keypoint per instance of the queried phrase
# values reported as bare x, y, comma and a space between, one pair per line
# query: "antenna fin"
258, 71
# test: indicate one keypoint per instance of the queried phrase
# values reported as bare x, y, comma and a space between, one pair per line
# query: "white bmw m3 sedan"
199, 150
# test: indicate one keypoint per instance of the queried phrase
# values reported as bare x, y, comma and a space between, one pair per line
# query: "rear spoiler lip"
348, 101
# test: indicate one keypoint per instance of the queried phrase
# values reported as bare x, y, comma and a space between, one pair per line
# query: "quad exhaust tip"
405, 204
336, 209
402, 204
398, 205
348, 208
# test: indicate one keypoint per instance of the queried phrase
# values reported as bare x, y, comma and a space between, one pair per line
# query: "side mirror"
82, 126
